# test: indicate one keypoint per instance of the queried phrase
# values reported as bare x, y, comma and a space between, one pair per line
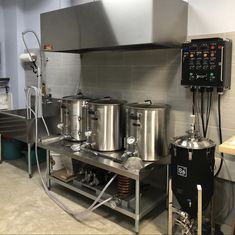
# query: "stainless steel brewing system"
147, 130
105, 124
74, 117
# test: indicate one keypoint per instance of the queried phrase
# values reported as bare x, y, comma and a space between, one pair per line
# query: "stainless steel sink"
14, 123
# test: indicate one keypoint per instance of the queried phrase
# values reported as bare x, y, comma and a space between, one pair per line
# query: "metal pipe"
48, 171
29, 161
137, 206
199, 209
170, 209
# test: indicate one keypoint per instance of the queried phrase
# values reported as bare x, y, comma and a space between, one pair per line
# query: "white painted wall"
15, 17
211, 16
32, 11
12, 14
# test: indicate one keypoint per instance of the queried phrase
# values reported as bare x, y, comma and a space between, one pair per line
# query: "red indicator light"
212, 47
220, 47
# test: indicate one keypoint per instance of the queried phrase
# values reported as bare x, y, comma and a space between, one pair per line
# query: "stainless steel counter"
105, 160
141, 203
14, 124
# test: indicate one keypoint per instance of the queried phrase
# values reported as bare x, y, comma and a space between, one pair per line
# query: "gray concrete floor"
26, 209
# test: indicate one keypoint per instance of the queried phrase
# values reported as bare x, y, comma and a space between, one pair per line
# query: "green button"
212, 74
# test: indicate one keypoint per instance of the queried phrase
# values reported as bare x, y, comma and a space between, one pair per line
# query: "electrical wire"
220, 134
202, 112
208, 111
197, 112
193, 107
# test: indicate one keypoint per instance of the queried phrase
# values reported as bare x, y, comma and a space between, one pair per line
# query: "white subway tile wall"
152, 74
61, 72
134, 76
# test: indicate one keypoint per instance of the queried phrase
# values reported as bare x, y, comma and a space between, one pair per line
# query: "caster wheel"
30, 176
0, 162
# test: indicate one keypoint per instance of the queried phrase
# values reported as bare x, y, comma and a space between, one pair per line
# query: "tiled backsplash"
134, 76
150, 74
61, 73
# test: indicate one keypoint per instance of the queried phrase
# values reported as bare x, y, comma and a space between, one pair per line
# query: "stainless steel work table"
16, 124
142, 204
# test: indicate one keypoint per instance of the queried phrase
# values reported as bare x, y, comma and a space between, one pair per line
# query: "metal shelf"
139, 204
148, 201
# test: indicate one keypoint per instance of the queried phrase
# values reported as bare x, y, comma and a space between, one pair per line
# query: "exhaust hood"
115, 24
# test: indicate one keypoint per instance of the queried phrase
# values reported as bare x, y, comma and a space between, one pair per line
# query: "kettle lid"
147, 104
75, 97
193, 142
107, 101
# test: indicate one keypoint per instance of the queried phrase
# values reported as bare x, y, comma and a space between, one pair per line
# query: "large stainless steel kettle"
74, 117
147, 130
105, 124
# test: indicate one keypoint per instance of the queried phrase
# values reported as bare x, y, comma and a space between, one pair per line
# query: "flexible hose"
38, 68
78, 216
39, 44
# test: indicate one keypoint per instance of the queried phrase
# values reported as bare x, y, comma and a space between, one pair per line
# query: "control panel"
207, 63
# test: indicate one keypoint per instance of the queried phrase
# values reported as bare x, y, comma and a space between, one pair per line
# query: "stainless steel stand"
170, 208
48, 172
28, 157
199, 209
135, 207
29, 160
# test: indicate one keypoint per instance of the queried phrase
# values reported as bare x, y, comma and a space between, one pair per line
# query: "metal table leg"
0, 148
48, 171
29, 161
137, 206
170, 217
167, 181
199, 210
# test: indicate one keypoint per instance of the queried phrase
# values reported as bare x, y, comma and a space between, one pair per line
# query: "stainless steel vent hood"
111, 24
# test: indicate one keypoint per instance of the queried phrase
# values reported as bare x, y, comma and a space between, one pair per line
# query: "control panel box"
207, 63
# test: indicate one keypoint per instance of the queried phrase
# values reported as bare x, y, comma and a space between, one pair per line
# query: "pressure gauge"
130, 140
88, 133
